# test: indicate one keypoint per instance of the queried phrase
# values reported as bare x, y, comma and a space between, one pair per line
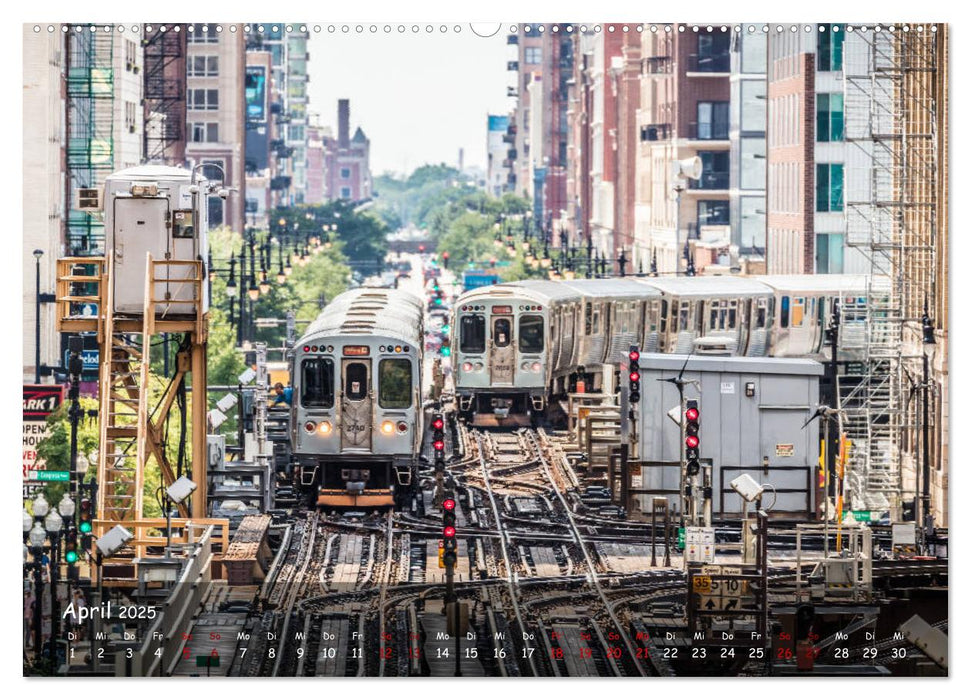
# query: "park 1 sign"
40, 400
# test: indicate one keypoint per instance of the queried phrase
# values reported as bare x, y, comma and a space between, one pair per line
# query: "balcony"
657, 65
511, 91
709, 64
280, 182
511, 154
512, 65
710, 180
655, 132
509, 138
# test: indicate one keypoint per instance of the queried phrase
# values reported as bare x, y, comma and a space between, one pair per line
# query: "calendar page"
413, 349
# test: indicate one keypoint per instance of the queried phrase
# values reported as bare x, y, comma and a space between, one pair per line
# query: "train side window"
713, 320
798, 309
355, 381
317, 383
596, 320
821, 310
732, 313
531, 333
472, 333
394, 383
683, 317
501, 332
784, 313
664, 315
760, 305
588, 319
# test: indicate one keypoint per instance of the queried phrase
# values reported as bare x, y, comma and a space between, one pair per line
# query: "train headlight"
387, 427
537, 366
324, 428
402, 427
310, 426
466, 366
524, 366
478, 366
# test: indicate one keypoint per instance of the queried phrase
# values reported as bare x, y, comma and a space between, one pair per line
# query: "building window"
345, 173
712, 120
204, 132
712, 212
203, 66
533, 55
829, 187
713, 53
753, 160
829, 116
202, 99
345, 192
714, 171
829, 253
202, 34
829, 47
130, 56
130, 117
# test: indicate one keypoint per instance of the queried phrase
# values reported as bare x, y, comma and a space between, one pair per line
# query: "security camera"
181, 489
112, 541
747, 487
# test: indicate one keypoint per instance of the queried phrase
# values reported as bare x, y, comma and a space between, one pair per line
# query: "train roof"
154, 172
816, 283
706, 286
391, 313
540, 291
617, 287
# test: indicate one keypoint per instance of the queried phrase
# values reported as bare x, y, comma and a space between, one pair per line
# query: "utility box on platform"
752, 412
162, 211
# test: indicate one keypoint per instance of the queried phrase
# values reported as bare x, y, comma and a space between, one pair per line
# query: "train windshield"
530, 334
317, 383
472, 333
394, 383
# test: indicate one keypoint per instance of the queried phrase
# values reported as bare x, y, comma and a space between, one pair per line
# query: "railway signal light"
85, 516
438, 439
71, 546
634, 367
445, 259
692, 442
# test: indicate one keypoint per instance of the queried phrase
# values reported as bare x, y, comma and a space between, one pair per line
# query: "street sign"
89, 359
40, 400
699, 544
701, 584
35, 475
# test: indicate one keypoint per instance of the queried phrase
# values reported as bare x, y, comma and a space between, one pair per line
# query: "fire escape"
90, 136
890, 115
164, 90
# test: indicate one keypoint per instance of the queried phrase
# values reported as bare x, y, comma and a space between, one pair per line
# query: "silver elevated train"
356, 418
518, 345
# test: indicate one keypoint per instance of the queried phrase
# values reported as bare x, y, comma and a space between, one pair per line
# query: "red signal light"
691, 414
438, 424
448, 504
691, 441
439, 445
449, 532
635, 376
634, 356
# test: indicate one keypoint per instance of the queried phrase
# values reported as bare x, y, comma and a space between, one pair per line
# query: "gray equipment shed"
752, 413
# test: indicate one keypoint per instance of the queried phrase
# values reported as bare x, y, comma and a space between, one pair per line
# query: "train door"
140, 227
502, 358
356, 409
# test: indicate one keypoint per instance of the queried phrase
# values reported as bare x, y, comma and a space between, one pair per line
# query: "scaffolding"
90, 121
164, 92
890, 112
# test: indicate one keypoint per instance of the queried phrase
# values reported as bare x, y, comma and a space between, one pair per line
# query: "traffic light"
448, 532
445, 259
85, 520
692, 443
421, 248
438, 439
634, 355
71, 554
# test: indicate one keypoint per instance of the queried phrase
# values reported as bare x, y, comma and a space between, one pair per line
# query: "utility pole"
74, 366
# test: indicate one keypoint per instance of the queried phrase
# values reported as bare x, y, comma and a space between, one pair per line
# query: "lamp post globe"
53, 522
37, 535
28, 522
66, 506
41, 506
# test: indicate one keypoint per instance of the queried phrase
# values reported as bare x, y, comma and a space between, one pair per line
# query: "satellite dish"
688, 168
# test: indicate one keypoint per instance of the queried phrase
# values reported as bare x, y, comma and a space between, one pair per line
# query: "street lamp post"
53, 524
74, 366
38, 253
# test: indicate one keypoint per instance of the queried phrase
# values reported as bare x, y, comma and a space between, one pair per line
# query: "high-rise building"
315, 161
684, 113
497, 170
216, 115
44, 197
347, 168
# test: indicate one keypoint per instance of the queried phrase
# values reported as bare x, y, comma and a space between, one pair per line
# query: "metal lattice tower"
890, 115
90, 122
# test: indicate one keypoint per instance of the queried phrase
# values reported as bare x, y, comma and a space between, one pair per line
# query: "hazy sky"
418, 96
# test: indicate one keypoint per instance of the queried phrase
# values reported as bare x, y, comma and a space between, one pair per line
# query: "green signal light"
71, 557
446, 329
446, 352
438, 302
85, 527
